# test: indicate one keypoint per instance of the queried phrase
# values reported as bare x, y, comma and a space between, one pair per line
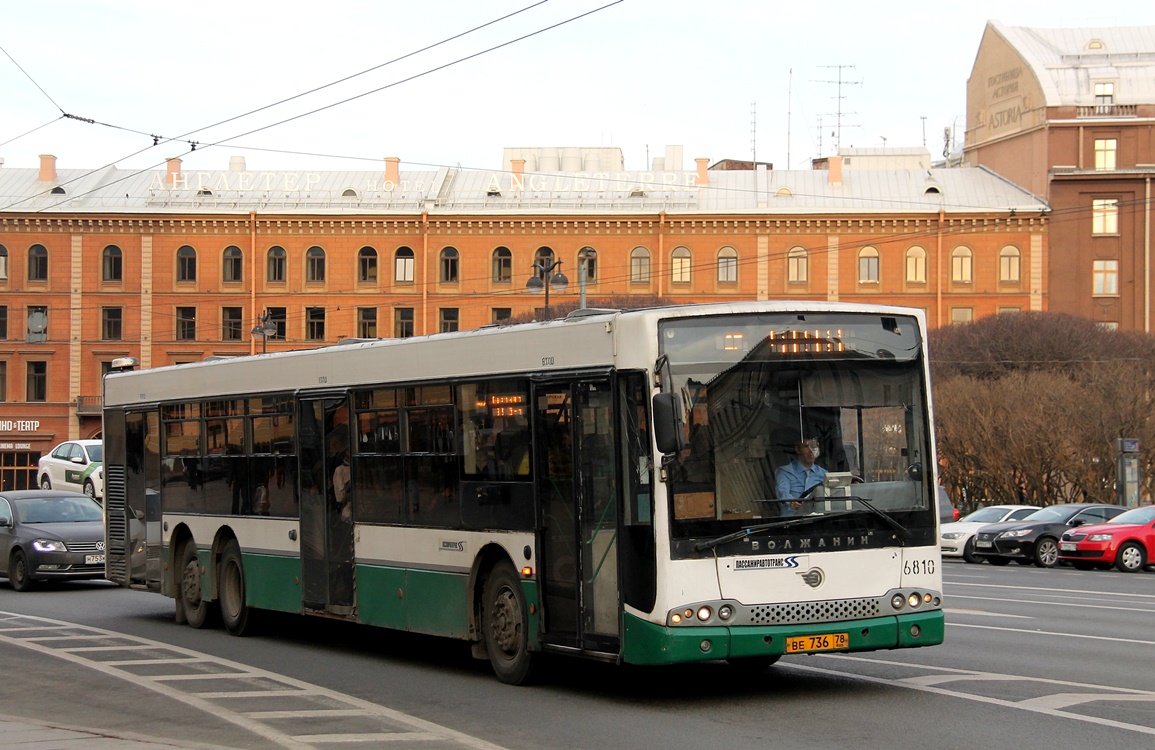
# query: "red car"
1126, 541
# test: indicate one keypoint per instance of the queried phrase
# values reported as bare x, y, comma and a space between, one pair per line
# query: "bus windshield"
790, 416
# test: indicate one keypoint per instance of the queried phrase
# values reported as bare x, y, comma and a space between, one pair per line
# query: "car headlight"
1099, 538
1014, 533
48, 545
952, 534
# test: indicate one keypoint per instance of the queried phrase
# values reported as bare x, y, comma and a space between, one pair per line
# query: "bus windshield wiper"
903, 532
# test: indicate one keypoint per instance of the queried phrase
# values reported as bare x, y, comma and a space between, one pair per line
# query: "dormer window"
932, 190
57, 190
1095, 44
1104, 93
203, 192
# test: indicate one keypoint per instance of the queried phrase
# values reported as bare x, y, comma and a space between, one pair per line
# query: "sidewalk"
28, 734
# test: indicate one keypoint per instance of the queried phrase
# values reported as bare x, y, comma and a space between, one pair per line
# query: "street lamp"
556, 280
264, 328
585, 255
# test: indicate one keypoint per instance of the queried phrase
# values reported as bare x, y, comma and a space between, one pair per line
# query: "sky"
342, 84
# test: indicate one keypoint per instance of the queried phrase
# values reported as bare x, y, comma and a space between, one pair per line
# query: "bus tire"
197, 609
505, 626
231, 590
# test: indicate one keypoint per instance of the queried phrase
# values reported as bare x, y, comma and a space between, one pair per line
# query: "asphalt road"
1033, 659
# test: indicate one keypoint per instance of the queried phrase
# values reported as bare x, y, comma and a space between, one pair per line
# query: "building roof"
1068, 62
965, 190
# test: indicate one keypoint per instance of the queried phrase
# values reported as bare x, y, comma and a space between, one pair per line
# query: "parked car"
1036, 537
947, 513
958, 539
50, 535
1127, 541
74, 465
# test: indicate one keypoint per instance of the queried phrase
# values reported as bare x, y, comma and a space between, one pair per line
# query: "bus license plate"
821, 642
94, 559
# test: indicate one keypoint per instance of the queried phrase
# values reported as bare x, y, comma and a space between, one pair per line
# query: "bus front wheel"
197, 609
505, 625
235, 613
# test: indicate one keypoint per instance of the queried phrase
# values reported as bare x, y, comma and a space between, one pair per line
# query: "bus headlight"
725, 612
705, 613
914, 600
897, 601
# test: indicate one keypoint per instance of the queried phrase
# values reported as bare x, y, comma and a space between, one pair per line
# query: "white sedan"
958, 539
76, 465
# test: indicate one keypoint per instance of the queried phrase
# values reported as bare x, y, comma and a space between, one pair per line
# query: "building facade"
1069, 114
174, 265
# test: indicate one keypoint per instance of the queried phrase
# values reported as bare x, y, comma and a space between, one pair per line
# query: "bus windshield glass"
802, 424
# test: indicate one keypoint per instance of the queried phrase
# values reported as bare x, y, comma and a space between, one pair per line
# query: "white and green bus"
602, 486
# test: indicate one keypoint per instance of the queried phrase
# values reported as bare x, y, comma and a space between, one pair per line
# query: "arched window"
3, 263
680, 263
727, 266
1010, 266
186, 263
367, 265
543, 258
868, 266
233, 265
639, 266
588, 259
449, 261
797, 266
502, 266
112, 264
315, 264
38, 263
403, 266
916, 265
961, 265
276, 264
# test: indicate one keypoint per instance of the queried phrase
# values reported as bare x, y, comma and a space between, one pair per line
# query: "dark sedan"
50, 535
1036, 537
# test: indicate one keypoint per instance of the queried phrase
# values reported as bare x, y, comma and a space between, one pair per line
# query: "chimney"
173, 175
392, 170
518, 166
236, 164
47, 168
834, 170
703, 178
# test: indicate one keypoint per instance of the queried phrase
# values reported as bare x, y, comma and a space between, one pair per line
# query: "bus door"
577, 485
326, 523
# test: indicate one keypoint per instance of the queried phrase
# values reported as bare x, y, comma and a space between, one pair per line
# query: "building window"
3, 322
232, 265
37, 324
112, 264
1108, 325
1010, 265
1009, 310
680, 265
449, 258
588, 260
403, 322
315, 323
111, 323
868, 266
639, 266
186, 324
367, 265
186, 264
961, 315
543, 258
797, 266
231, 326
916, 265
276, 264
500, 315
1104, 94
1105, 278
38, 263
961, 266
502, 266
403, 267
37, 388
279, 316
727, 266
3, 381
447, 322
315, 264
1105, 216
3, 263
1105, 153
367, 322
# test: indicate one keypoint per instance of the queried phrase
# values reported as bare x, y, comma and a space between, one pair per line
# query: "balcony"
1107, 110
88, 406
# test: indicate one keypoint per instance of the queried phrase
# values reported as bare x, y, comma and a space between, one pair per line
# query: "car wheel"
1131, 558
45, 483
89, 488
197, 609
1046, 552
505, 626
19, 576
235, 612
969, 552
1000, 561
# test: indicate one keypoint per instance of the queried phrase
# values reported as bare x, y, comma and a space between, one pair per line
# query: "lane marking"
983, 613
1052, 604
1050, 632
1053, 591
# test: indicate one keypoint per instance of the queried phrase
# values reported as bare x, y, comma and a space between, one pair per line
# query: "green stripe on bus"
423, 601
647, 643
272, 582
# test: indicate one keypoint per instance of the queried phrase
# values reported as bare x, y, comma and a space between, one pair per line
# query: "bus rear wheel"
197, 609
235, 612
505, 626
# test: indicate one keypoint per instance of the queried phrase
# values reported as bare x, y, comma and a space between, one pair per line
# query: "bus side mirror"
667, 433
